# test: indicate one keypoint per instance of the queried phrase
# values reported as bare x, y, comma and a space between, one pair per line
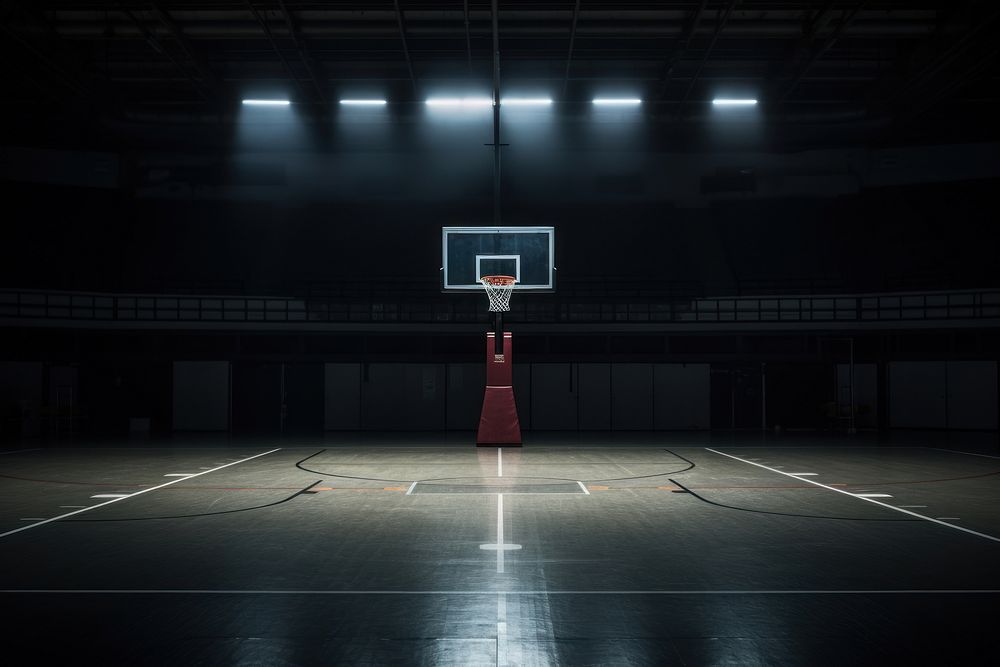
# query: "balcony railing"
420, 307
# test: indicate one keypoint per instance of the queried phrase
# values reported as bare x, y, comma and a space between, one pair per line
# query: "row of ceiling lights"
479, 102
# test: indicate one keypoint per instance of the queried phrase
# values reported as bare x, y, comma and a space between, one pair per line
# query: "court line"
867, 500
583, 486
666, 592
502, 629
410, 490
500, 533
499, 461
132, 495
959, 451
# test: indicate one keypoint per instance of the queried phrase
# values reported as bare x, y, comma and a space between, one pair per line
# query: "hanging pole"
498, 317
496, 114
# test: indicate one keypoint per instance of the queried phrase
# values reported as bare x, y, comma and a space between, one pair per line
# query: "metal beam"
175, 32
957, 65
68, 80
468, 34
274, 45
156, 45
681, 47
810, 28
972, 25
401, 23
303, 50
572, 39
823, 48
720, 24
66, 72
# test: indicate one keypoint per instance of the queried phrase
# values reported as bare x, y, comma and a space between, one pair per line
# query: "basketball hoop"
498, 289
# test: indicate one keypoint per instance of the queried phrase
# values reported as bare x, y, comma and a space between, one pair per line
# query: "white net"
498, 289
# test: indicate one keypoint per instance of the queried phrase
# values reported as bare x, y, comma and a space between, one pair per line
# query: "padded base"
498, 423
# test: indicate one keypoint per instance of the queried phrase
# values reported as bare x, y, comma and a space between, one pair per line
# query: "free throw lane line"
133, 495
499, 461
867, 500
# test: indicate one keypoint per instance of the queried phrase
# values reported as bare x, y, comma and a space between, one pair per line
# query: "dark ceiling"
919, 70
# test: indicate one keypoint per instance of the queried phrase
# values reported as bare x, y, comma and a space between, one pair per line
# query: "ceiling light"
460, 102
526, 101
266, 103
733, 102
617, 101
363, 103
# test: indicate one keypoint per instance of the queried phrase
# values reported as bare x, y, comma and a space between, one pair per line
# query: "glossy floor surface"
651, 551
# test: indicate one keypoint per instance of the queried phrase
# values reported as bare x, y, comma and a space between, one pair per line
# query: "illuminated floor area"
678, 550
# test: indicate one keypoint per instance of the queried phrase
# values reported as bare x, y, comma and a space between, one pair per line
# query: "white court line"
499, 461
873, 495
500, 546
111, 495
180, 474
854, 495
500, 533
502, 629
131, 495
584, 488
410, 490
803, 474
204, 591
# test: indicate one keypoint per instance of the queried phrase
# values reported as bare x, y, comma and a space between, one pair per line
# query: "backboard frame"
548, 287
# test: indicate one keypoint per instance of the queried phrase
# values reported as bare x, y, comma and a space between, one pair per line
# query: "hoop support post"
498, 330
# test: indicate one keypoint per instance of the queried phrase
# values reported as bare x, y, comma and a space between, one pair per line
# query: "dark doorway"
257, 398
736, 396
798, 396
274, 398
303, 398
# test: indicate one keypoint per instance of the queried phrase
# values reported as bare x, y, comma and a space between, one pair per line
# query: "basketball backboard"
527, 253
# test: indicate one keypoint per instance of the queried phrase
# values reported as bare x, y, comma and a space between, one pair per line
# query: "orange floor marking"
597, 488
393, 488
669, 488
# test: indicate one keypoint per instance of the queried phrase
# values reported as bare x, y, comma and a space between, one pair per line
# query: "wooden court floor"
667, 549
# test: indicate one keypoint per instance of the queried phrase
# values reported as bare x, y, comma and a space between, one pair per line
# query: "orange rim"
499, 280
